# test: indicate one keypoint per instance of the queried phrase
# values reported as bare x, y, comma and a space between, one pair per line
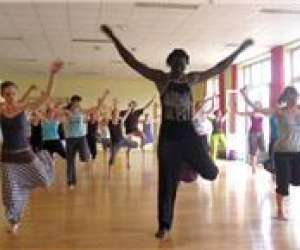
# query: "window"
213, 89
295, 64
293, 67
257, 77
213, 86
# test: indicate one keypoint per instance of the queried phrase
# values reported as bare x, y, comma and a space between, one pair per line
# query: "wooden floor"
234, 212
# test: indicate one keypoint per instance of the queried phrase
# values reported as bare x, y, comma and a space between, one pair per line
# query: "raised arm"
151, 74
147, 105
102, 99
27, 93
201, 76
124, 117
54, 69
45, 95
212, 107
264, 111
99, 105
115, 104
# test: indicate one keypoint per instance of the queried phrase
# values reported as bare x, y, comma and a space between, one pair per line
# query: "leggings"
74, 146
172, 155
115, 147
287, 171
92, 142
55, 146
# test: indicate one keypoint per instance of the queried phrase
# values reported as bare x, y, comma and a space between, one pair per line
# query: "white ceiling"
46, 29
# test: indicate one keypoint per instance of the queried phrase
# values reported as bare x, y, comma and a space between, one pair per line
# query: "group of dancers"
182, 139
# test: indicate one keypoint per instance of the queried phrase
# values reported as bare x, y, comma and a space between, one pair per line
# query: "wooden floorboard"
234, 212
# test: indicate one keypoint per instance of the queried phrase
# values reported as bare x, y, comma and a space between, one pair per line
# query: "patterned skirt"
21, 176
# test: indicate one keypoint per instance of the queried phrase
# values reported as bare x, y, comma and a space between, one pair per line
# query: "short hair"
177, 53
7, 84
76, 98
132, 102
288, 93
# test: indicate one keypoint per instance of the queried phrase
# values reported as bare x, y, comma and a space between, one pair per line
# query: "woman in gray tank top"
22, 170
287, 147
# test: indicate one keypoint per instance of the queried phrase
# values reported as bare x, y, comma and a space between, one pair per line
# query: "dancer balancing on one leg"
118, 139
178, 141
75, 132
218, 136
36, 131
287, 147
22, 170
256, 134
147, 131
51, 121
201, 122
132, 120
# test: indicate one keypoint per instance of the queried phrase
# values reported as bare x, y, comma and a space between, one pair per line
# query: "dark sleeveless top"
14, 131
36, 133
92, 129
177, 112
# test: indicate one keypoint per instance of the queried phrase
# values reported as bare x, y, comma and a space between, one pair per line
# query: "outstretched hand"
106, 30
247, 43
244, 89
56, 66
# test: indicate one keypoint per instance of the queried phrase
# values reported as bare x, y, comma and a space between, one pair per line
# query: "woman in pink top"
256, 135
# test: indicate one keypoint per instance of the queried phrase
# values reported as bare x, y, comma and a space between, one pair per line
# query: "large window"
295, 67
213, 89
257, 77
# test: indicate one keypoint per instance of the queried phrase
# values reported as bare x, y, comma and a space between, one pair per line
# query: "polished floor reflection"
234, 212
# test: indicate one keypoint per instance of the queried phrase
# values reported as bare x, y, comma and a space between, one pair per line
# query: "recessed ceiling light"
11, 38
280, 11
29, 60
163, 5
83, 40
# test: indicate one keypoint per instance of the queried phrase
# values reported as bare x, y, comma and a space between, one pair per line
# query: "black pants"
92, 142
55, 146
36, 144
74, 146
172, 155
115, 147
287, 171
204, 142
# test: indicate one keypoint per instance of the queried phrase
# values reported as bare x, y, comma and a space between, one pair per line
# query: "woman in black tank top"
36, 132
178, 142
22, 170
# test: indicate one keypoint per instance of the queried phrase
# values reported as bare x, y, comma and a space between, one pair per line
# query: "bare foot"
280, 216
72, 187
14, 229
